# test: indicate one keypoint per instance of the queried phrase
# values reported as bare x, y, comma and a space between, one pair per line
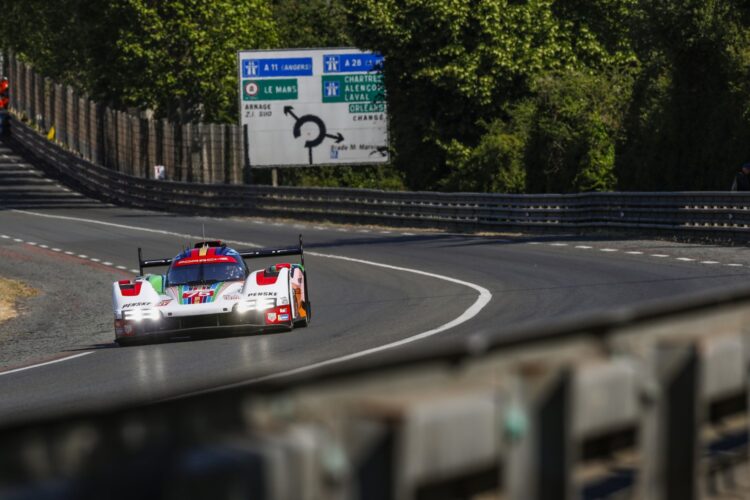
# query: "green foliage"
576, 126
186, 50
454, 63
483, 95
496, 164
312, 23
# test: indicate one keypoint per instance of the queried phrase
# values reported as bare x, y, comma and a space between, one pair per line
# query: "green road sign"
366, 87
282, 89
369, 107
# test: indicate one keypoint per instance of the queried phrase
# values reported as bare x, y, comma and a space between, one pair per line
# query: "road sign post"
313, 107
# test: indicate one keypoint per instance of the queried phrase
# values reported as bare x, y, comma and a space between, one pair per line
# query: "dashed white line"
43, 246
68, 252
584, 247
32, 243
319, 228
121, 267
5, 237
136, 271
685, 259
135, 228
407, 234
608, 250
18, 240
659, 255
558, 244
56, 249
634, 252
94, 259
709, 262
82, 256
107, 263
734, 265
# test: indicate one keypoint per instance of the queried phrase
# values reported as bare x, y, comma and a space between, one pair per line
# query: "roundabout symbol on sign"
320, 124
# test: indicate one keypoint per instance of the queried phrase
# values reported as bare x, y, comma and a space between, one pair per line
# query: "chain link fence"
128, 143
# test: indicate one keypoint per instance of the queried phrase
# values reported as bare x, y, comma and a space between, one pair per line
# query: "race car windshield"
198, 274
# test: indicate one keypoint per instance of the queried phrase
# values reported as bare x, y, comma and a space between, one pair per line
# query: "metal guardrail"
637, 403
711, 215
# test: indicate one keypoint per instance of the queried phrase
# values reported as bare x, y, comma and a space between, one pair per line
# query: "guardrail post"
539, 464
670, 431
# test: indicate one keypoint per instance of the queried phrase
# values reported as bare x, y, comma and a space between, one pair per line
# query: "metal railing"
711, 215
647, 403
637, 403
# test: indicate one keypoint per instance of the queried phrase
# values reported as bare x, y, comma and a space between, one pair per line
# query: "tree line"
483, 95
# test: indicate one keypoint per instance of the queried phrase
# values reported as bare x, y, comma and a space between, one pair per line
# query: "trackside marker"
66, 358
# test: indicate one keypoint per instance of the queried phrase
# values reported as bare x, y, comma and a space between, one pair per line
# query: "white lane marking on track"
608, 250
685, 259
583, 247
107, 263
43, 246
18, 240
67, 358
734, 265
68, 252
56, 249
94, 259
122, 267
135, 271
32, 243
5, 237
124, 226
83, 256
709, 262
482, 300
659, 255
558, 244
634, 252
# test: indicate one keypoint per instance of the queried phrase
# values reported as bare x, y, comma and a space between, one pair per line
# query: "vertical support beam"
540, 459
670, 430
248, 177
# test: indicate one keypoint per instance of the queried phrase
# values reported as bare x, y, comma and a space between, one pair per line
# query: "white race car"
209, 290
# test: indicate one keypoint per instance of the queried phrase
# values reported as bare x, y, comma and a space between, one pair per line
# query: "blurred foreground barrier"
709, 215
647, 403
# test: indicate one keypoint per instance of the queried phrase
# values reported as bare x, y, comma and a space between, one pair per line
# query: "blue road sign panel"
351, 63
292, 66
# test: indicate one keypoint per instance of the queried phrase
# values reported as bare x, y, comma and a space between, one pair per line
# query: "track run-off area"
372, 289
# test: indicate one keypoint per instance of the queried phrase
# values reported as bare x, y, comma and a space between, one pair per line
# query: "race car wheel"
302, 322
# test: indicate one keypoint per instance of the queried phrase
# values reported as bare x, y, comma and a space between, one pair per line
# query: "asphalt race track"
60, 356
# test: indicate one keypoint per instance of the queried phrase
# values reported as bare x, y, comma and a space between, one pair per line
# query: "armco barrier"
710, 215
647, 403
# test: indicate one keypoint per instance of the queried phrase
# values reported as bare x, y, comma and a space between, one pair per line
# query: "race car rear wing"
245, 254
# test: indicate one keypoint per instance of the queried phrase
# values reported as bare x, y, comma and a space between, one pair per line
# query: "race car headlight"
141, 314
256, 304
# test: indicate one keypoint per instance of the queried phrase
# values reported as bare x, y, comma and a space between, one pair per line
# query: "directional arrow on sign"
338, 137
289, 110
322, 133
